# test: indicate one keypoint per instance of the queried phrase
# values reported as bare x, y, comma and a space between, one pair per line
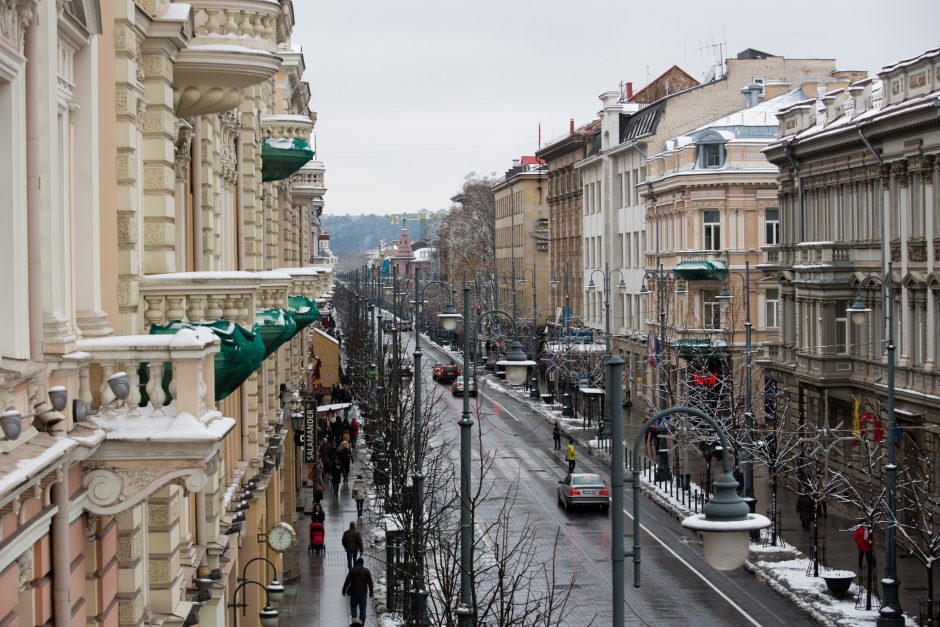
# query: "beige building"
711, 205
149, 151
522, 240
858, 180
564, 201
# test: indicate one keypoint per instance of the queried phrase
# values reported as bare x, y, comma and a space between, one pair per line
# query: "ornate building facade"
859, 171
152, 224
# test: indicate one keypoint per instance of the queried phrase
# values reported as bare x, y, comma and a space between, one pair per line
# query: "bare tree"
918, 520
466, 237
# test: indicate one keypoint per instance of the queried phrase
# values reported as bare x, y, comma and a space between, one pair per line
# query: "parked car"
404, 325
407, 368
389, 326
583, 488
448, 374
436, 370
457, 388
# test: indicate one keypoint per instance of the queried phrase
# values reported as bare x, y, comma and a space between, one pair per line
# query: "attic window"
711, 155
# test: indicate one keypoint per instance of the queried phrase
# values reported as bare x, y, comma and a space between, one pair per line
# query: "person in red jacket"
865, 542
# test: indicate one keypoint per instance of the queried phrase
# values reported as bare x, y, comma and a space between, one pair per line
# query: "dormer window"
712, 155
711, 149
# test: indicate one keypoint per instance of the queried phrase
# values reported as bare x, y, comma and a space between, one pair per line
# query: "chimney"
751, 94
860, 92
571, 127
516, 163
610, 118
629, 90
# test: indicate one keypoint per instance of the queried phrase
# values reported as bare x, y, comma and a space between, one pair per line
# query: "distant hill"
353, 235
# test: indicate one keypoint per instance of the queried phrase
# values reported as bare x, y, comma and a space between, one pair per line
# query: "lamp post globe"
449, 317
268, 617
516, 364
275, 590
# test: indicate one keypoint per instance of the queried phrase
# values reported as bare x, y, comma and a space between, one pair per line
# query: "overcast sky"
411, 96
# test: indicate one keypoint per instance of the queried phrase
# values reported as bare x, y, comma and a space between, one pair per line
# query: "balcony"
307, 183
701, 266
168, 429
286, 148
233, 48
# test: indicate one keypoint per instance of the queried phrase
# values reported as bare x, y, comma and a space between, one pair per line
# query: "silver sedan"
583, 488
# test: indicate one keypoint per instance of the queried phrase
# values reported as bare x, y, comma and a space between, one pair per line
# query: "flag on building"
856, 419
653, 344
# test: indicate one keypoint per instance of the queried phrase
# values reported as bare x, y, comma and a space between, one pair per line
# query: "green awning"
305, 310
282, 157
276, 326
241, 352
692, 348
701, 270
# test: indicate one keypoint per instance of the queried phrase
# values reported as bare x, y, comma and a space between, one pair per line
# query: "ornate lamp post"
516, 366
267, 617
890, 613
533, 341
609, 407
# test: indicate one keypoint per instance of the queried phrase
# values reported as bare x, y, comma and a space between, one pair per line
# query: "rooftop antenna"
717, 50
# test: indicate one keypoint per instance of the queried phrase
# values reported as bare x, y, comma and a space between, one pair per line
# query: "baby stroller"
317, 538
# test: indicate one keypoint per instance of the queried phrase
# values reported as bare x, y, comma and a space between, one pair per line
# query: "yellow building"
150, 152
522, 239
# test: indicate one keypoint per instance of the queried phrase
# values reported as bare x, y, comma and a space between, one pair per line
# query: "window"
712, 230
918, 225
772, 226
773, 307
842, 328
711, 155
711, 310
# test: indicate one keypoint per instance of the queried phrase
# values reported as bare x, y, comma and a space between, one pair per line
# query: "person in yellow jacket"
569, 455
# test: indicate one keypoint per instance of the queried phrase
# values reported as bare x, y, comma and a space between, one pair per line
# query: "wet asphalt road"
678, 587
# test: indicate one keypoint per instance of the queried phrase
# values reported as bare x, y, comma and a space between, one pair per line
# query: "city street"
675, 575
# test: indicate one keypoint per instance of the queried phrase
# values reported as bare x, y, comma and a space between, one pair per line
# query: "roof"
751, 53
673, 80
642, 123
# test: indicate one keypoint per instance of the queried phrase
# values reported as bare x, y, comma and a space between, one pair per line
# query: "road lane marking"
697, 573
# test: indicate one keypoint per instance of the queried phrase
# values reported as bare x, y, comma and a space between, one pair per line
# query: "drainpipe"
196, 161
61, 566
788, 151
239, 204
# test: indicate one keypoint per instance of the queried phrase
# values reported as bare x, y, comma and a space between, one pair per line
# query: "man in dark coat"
352, 542
358, 583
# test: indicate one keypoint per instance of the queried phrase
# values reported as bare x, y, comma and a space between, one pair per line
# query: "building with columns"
857, 185
153, 223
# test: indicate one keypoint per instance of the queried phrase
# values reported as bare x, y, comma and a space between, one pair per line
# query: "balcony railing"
233, 48
169, 415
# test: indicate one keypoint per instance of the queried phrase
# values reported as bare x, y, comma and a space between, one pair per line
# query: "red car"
448, 374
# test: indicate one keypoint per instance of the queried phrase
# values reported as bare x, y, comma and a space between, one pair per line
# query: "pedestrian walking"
569, 455
336, 475
318, 515
359, 493
804, 508
326, 450
357, 585
353, 432
556, 435
865, 543
345, 459
352, 543
318, 490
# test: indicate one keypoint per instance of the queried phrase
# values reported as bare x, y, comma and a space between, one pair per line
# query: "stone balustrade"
287, 127
178, 426
233, 47
200, 296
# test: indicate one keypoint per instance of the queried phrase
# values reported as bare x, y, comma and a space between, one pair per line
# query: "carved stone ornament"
15, 16
113, 490
25, 564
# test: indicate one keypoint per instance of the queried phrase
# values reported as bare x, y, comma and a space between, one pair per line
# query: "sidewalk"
315, 599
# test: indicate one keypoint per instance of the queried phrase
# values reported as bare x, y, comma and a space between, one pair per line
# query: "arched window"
711, 149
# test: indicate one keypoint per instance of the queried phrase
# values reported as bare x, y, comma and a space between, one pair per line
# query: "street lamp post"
267, 617
566, 409
725, 521
533, 341
725, 298
421, 592
890, 613
516, 366
609, 407
662, 451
